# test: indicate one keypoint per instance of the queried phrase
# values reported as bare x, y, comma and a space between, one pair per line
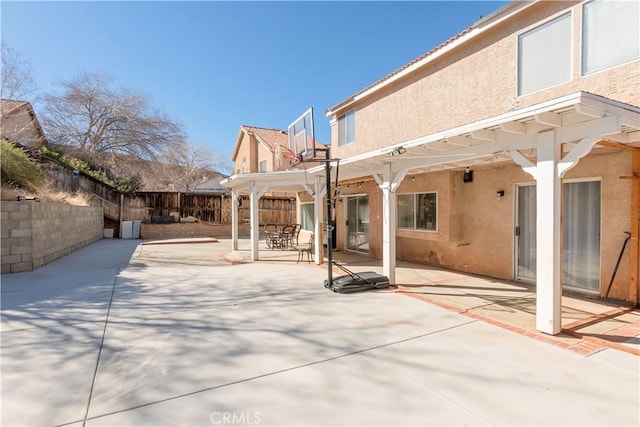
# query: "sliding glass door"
580, 234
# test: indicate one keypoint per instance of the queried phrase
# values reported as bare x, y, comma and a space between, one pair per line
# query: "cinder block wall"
34, 234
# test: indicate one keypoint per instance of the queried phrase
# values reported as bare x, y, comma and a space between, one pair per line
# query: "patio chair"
306, 249
270, 230
296, 233
287, 236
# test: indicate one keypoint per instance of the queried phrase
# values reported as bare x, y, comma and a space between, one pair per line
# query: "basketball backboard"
302, 138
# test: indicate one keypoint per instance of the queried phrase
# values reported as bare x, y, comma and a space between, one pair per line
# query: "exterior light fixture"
500, 193
398, 151
468, 176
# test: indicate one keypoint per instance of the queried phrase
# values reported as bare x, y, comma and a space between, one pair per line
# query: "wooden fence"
210, 208
62, 179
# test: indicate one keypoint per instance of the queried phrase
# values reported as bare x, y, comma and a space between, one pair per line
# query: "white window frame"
415, 213
564, 14
262, 166
345, 119
584, 46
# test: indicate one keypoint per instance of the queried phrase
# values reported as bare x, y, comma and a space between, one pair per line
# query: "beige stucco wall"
476, 228
265, 154
34, 234
254, 151
248, 149
473, 82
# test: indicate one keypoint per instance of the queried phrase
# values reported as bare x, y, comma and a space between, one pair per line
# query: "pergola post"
388, 183
234, 219
256, 193
548, 235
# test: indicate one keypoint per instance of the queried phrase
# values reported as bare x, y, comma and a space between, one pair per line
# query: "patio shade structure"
555, 134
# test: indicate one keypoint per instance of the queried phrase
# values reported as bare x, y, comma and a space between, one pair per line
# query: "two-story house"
512, 150
260, 150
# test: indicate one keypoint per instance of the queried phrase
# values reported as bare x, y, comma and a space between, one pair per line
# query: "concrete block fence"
34, 234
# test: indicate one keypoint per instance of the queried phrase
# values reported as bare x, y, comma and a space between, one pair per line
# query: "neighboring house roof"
271, 138
462, 37
212, 186
11, 107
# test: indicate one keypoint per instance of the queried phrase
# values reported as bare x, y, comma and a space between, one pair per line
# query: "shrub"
81, 165
17, 168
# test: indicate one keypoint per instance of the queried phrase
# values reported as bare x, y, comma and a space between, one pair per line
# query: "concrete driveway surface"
125, 334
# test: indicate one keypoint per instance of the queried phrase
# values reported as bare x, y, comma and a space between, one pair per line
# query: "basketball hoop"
301, 139
288, 153
285, 153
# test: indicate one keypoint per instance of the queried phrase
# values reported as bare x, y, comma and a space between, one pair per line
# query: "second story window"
347, 128
610, 34
262, 167
544, 55
244, 165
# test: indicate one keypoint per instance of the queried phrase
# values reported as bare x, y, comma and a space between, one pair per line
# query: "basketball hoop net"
288, 154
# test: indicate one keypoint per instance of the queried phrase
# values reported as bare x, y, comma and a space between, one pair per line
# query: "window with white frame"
418, 211
307, 216
347, 128
610, 34
262, 166
544, 55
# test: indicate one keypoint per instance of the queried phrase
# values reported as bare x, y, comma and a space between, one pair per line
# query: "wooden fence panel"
209, 208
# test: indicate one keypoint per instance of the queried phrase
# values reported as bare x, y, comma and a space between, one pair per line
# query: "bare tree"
90, 114
186, 164
17, 75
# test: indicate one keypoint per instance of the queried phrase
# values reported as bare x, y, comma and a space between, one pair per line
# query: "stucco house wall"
257, 144
244, 152
473, 82
476, 227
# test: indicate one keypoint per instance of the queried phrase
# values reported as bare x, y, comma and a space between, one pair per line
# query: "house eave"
419, 154
496, 18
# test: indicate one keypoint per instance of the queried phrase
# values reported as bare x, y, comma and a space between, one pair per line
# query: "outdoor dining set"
281, 236
285, 237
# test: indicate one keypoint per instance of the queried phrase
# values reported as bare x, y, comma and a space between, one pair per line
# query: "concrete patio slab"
348, 391
191, 340
47, 373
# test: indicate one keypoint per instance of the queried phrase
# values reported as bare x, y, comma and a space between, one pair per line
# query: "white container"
126, 229
108, 233
135, 233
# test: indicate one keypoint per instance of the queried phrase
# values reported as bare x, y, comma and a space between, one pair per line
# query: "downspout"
634, 269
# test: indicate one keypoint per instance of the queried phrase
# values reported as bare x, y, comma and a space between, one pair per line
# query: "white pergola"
560, 132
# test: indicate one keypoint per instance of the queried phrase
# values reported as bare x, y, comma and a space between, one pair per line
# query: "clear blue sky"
214, 66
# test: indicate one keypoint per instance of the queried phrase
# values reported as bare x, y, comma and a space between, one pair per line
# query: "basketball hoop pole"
327, 172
